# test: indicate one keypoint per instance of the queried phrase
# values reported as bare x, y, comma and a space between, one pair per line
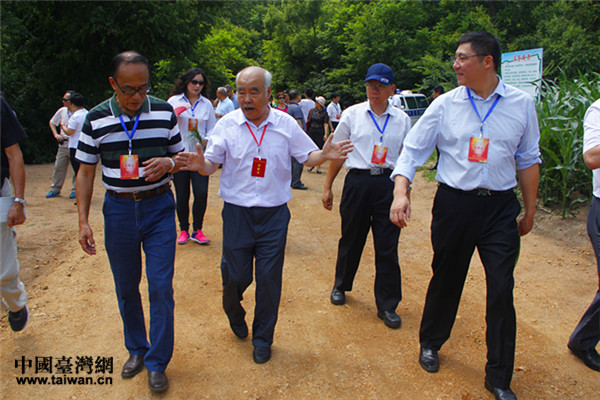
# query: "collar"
387, 110
116, 110
240, 118
500, 90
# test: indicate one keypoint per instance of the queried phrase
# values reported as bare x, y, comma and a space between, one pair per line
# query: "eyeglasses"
195, 82
462, 57
66, 99
376, 85
281, 98
142, 90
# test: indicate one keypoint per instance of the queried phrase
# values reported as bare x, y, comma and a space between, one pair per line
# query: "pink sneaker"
199, 237
183, 238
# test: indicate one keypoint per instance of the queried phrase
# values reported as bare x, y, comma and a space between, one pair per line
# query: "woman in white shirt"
196, 119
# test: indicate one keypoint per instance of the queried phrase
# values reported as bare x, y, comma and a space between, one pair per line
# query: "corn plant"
564, 178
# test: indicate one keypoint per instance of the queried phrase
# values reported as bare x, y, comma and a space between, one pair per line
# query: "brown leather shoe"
132, 366
157, 381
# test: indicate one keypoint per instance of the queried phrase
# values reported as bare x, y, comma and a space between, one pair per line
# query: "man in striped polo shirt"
135, 136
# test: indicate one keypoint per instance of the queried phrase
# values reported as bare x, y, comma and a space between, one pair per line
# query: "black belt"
139, 196
485, 192
371, 171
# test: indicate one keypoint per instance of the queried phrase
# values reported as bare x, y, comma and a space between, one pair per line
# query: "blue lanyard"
195, 105
479, 115
130, 136
378, 128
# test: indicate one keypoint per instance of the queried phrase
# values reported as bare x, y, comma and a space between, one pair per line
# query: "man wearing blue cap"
377, 130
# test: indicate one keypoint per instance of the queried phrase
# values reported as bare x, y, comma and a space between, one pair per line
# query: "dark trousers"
74, 162
199, 183
365, 205
296, 173
587, 333
461, 222
254, 235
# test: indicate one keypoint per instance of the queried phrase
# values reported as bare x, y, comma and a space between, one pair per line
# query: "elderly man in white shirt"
254, 144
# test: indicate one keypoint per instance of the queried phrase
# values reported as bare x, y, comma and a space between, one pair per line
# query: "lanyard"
479, 115
378, 128
261, 138
195, 105
130, 136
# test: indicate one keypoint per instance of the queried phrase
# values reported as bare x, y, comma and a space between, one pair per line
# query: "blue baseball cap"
380, 72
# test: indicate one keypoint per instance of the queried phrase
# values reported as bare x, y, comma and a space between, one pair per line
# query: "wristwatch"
22, 201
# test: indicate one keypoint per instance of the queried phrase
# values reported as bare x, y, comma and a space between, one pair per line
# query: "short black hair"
76, 99
127, 57
333, 95
483, 43
309, 93
439, 89
294, 94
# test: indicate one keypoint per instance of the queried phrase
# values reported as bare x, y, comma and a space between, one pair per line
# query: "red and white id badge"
193, 125
130, 168
379, 154
478, 149
259, 165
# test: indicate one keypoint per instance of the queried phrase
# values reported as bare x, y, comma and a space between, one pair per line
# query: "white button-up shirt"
450, 122
591, 138
356, 124
232, 145
202, 110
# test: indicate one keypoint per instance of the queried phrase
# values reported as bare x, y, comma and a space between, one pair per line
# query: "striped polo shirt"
103, 138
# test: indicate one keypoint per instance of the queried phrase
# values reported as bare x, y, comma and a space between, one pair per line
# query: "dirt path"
321, 351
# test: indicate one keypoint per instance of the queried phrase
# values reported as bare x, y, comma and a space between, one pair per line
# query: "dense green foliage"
564, 178
50, 46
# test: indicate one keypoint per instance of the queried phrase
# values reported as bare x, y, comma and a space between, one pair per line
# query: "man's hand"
400, 209
525, 224
338, 150
86, 239
155, 168
327, 199
16, 214
195, 161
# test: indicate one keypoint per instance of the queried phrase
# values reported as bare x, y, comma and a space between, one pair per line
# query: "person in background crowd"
281, 104
585, 337
254, 144
196, 119
307, 103
225, 105
318, 126
437, 91
334, 109
135, 136
61, 164
232, 96
73, 127
485, 131
295, 111
12, 212
377, 130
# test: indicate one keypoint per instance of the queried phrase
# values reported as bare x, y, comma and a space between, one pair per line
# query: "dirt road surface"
320, 351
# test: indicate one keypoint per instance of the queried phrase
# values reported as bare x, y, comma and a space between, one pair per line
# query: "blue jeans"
130, 226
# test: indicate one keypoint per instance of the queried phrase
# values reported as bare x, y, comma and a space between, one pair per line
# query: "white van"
414, 104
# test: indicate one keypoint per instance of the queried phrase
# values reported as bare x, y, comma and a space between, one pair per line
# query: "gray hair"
222, 90
267, 77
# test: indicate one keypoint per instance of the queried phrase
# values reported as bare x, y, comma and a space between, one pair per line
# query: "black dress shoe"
240, 329
157, 381
390, 318
590, 357
500, 394
300, 187
132, 366
261, 354
429, 360
338, 297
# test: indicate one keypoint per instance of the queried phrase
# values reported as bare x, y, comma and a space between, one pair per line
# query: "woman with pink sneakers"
196, 119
